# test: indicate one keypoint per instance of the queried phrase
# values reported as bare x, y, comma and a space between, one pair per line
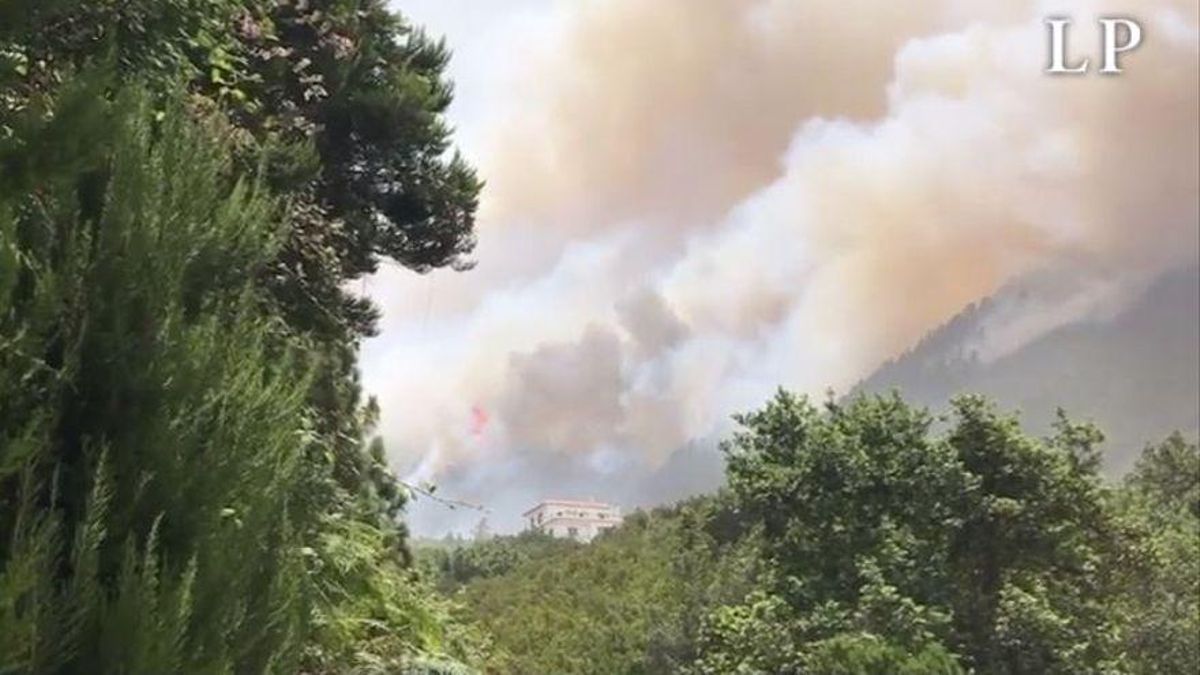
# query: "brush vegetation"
868, 537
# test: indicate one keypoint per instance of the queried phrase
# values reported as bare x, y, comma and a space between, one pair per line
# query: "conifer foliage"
186, 482
153, 425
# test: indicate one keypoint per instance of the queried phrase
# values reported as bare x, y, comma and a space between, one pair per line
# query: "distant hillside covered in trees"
1134, 373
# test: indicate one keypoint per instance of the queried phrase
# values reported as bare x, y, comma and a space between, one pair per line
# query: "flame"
479, 421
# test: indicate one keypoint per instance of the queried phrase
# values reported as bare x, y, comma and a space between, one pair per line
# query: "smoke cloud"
690, 204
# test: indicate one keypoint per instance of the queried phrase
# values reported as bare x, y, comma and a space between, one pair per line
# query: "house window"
573, 532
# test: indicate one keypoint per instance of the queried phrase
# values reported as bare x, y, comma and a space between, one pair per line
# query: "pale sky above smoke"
690, 204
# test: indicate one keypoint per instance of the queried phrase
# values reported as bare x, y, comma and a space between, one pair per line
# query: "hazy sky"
692, 203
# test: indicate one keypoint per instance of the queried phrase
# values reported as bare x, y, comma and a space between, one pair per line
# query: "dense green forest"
189, 477
187, 480
866, 537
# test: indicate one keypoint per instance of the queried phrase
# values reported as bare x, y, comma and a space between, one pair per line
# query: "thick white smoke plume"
692, 203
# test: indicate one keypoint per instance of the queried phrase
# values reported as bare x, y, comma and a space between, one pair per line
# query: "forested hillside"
1134, 371
858, 539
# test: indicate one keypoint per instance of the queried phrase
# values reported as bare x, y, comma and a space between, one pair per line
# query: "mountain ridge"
1133, 372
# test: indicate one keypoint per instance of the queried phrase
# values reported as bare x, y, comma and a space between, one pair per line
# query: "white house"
580, 521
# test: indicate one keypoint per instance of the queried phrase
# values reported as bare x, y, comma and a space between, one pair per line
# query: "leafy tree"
629, 602
1168, 477
342, 97
982, 539
867, 537
1157, 581
458, 565
754, 636
871, 655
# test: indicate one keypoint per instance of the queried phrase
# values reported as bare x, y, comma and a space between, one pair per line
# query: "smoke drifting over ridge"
689, 204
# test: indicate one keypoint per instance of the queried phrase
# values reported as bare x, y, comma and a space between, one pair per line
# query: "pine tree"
169, 499
152, 422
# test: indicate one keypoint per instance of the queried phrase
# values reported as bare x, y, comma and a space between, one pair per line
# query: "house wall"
582, 523
581, 530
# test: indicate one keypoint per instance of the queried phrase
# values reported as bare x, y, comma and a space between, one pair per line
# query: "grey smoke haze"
690, 204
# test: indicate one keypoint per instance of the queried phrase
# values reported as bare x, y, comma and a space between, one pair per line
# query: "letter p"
1133, 38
